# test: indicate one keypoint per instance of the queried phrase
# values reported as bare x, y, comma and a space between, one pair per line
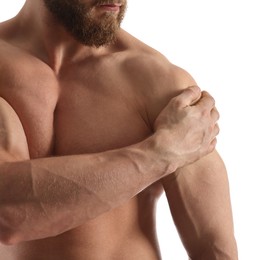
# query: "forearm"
45, 197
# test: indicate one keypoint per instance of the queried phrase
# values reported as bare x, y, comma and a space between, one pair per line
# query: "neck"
49, 40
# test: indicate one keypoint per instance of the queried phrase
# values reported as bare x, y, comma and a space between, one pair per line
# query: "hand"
187, 127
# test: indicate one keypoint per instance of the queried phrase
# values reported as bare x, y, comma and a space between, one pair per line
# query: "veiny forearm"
45, 197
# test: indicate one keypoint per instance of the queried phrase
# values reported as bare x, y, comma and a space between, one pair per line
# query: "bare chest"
31, 93
77, 113
97, 114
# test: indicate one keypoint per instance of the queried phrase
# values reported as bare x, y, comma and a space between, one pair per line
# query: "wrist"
157, 149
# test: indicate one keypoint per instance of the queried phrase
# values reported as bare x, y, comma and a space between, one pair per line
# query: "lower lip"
110, 8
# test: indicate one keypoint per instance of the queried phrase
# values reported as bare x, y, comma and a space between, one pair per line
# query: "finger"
189, 96
212, 145
215, 114
206, 101
213, 140
216, 130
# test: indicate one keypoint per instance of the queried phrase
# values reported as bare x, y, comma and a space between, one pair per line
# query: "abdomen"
125, 233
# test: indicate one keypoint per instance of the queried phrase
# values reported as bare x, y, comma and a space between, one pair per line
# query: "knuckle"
210, 129
192, 91
176, 102
212, 100
195, 88
205, 112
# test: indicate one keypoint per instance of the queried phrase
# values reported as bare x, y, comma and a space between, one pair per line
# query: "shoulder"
142, 61
154, 75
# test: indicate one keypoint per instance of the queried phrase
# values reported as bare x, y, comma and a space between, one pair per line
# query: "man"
88, 143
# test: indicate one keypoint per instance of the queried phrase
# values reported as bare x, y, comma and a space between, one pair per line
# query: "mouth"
115, 7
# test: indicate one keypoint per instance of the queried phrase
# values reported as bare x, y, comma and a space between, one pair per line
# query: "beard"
78, 19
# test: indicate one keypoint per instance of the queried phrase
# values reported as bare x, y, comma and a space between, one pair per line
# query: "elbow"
224, 250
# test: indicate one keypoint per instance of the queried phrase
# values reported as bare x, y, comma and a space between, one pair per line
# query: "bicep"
198, 196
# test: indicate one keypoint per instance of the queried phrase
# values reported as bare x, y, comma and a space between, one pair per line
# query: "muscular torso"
90, 106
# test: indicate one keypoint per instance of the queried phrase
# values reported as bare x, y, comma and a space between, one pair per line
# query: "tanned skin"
89, 139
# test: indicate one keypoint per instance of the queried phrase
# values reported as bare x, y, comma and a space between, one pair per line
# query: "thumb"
189, 96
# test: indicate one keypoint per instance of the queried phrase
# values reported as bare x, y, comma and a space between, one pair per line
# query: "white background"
223, 45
